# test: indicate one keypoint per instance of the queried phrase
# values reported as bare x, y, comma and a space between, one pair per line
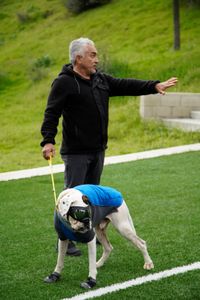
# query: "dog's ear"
64, 201
85, 199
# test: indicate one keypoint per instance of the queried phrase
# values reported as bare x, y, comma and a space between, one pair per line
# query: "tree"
176, 24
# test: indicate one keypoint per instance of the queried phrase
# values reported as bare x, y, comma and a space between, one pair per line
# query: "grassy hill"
134, 38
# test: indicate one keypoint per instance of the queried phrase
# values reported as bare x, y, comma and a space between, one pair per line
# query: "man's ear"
85, 199
78, 58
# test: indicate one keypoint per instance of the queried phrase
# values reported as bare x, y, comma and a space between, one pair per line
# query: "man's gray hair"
76, 47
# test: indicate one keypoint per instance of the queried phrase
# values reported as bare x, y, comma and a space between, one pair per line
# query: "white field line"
108, 160
138, 281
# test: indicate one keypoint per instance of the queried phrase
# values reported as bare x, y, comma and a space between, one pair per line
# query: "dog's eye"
63, 202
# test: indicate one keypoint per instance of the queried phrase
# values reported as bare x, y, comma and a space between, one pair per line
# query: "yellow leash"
52, 178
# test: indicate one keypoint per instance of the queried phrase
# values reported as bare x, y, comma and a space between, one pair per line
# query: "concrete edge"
21, 174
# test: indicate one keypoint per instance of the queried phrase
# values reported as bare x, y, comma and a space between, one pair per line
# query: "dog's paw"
53, 277
148, 266
90, 283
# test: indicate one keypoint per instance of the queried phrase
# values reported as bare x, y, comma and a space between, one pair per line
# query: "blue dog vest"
103, 200
99, 195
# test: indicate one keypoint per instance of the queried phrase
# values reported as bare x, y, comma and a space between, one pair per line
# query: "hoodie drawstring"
79, 89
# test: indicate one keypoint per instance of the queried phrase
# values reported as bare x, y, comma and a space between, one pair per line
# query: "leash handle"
52, 178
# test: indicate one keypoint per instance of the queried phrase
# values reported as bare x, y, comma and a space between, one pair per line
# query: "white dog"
84, 212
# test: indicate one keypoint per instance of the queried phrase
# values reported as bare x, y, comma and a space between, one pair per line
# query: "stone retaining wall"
171, 105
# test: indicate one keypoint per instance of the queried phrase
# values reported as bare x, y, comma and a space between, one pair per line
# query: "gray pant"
83, 168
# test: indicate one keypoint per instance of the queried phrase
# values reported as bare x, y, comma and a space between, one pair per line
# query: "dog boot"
72, 250
53, 277
90, 283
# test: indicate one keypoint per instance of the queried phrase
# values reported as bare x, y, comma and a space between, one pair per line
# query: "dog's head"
72, 208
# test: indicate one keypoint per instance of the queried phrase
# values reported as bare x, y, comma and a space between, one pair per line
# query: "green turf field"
163, 197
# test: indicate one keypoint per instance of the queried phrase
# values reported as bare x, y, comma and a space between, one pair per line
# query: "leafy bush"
77, 6
44, 61
31, 14
115, 67
4, 80
23, 17
190, 3
37, 74
39, 67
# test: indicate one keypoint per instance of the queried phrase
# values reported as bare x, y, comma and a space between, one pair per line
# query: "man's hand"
162, 86
48, 150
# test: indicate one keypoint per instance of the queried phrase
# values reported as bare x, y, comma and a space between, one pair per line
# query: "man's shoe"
72, 250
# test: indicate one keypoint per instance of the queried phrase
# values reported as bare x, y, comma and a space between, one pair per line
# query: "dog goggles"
81, 214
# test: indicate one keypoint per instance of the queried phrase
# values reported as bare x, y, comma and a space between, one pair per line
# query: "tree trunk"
176, 24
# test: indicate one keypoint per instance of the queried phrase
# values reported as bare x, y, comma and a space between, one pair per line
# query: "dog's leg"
92, 258
62, 248
91, 281
102, 237
122, 221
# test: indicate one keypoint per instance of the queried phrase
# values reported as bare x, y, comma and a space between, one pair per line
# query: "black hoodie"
84, 106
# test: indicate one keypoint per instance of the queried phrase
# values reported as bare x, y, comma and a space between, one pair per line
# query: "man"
81, 95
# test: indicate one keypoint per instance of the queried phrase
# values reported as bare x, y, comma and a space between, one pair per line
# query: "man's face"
88, 62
